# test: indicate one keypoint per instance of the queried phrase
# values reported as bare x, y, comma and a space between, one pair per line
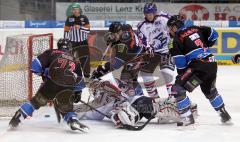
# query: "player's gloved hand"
96, 75
109, 38
149, 50
76, 97
100, 71
236, 58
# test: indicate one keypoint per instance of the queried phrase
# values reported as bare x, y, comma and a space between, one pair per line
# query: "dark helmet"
64, 44
150, 8
175, 20
115, 27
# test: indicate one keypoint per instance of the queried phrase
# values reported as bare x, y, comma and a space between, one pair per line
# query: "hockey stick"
138, 128
91, 107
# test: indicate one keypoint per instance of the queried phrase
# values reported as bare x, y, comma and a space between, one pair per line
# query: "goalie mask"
64, 44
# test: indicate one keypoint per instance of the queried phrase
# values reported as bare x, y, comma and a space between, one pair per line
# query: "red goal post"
18, 84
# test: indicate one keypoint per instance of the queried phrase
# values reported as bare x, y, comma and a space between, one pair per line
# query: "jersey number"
64, 62
196, 38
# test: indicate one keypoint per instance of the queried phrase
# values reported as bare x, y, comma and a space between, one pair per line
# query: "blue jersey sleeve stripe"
196, 54
180, 61
36, 66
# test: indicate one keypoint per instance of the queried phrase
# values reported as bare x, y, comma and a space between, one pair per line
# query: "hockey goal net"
17, 83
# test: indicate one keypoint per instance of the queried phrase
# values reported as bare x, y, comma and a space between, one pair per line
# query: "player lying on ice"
118, 102
195, 66
60, 72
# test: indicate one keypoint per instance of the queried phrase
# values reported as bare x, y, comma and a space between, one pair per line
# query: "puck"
47, 115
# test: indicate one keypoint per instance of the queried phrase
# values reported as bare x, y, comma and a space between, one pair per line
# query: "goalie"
115, 102
60, 71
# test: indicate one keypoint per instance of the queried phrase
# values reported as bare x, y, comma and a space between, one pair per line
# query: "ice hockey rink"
207, 128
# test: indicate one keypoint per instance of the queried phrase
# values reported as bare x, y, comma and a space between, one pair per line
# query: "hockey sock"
217, 102
70, 115
27, 110
183, 106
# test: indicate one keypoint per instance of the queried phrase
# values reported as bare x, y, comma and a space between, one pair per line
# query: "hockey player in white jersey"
154, 37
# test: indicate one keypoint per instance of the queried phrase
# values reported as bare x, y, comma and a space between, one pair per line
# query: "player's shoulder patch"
71, 19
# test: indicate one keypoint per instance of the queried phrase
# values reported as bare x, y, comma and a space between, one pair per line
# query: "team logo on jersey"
157, 23
71, 20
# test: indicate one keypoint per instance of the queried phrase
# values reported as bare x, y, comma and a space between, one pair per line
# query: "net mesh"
16, 83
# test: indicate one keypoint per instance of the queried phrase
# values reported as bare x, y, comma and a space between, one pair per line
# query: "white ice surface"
207, 128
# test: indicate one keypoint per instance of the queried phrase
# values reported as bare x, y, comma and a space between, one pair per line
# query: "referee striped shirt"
76, 29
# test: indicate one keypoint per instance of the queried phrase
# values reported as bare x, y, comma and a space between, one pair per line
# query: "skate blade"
228, 123
80, 127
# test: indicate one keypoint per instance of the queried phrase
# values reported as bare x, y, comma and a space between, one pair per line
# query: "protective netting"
17, 84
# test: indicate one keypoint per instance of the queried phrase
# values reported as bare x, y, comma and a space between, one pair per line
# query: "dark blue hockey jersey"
192, 43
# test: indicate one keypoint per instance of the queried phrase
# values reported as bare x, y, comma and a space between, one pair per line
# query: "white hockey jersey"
156, 33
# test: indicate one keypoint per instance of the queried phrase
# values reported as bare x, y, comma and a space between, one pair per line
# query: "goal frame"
30, 56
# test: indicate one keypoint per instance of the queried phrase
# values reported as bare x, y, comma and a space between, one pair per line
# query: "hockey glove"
149, 50
236, 58
76, 97
101, 71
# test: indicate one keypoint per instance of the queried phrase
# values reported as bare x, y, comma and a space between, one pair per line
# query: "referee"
76, 29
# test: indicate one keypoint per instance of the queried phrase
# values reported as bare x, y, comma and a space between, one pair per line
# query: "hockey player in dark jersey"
49, 89
124, 45
195, 66
236, 58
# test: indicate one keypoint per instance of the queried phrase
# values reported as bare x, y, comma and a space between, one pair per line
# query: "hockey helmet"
64, 44
150, 8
